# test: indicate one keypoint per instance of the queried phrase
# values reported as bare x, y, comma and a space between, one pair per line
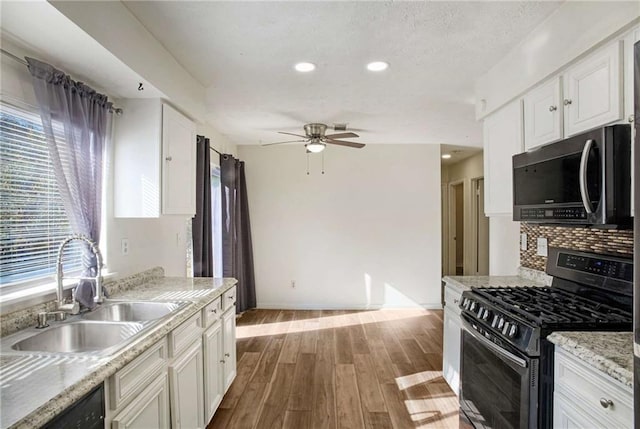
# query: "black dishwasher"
86, 413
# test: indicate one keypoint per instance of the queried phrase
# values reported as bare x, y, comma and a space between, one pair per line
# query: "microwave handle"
584, 192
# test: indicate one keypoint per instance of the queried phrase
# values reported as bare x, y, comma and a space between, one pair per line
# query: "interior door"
482, 230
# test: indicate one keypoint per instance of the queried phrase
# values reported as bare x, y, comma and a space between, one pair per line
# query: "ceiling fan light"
446, 156
305, 67
377, 66
315, 147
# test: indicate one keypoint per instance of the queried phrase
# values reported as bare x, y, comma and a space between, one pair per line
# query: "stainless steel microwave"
584, 180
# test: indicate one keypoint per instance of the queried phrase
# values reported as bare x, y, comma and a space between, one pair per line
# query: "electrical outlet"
542, 246
523, 241
293, 283
124, 246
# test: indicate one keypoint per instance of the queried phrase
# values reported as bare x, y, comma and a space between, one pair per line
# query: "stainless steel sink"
80, 337
132, 311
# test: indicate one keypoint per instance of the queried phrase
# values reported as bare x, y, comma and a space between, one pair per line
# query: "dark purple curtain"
201, 225
237, 253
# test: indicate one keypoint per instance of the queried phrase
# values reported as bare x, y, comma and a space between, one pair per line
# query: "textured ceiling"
243, 53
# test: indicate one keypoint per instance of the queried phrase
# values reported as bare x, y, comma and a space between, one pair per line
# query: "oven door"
498, 386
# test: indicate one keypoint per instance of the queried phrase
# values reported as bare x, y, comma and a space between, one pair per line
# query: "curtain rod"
117, 110
216, 151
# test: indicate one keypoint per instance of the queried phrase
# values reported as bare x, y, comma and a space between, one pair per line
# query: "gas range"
506, 366
520, 316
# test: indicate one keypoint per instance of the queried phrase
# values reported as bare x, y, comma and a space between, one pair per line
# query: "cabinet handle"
553, 108
230, 297
228, 355
455, 301
567, 101
606, 403
214, 310
631, 118
169, 158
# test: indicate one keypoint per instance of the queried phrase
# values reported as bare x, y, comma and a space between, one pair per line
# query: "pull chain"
307, 163
322, 162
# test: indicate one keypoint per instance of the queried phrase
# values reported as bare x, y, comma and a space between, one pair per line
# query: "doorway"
456, 228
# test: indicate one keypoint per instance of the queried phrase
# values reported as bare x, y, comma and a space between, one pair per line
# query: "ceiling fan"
315, 139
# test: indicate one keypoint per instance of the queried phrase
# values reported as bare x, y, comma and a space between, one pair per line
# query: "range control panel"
594, 265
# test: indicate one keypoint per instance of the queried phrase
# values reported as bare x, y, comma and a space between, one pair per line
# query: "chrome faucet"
74, 307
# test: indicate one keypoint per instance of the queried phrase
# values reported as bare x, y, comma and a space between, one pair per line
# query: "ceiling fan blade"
341, 136
290, 141
344, 143
291, 134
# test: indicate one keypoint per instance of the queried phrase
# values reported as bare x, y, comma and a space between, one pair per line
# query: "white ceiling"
243, 53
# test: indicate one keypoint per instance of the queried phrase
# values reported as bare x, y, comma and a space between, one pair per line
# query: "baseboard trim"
290, 306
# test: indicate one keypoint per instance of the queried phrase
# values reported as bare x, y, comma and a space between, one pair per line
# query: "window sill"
38, 294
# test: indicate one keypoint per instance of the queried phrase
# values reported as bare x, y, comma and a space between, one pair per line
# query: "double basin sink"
102, 331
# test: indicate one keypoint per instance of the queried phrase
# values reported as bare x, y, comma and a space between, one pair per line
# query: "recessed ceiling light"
446, 156
377, 66
305, 67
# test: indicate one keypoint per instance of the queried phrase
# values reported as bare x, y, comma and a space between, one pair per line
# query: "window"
33, 222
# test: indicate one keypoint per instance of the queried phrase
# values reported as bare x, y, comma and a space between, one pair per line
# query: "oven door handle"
584, 191
494, 347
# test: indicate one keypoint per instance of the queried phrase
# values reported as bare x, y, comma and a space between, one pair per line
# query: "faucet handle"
42, 320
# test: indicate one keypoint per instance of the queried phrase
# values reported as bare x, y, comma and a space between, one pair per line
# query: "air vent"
340, 127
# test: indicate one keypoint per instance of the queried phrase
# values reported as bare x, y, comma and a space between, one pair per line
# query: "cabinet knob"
631, 118
553, 108
606, 403
567, 102
230, 297
169, 158
213, 310
227, 355
222, 361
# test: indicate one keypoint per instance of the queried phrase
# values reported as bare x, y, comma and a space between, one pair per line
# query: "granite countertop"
609, 352
36, 387
467, 282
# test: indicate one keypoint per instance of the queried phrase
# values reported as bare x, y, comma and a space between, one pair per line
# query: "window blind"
33, 222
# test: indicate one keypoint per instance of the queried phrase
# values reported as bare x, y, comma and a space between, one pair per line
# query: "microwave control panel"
533, 214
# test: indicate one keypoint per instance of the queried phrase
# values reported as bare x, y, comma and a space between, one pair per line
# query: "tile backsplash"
610, 241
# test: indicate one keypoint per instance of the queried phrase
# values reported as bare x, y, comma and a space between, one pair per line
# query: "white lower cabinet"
212, 345
149, 409
229, 346
451, 338
586, 397
187, 389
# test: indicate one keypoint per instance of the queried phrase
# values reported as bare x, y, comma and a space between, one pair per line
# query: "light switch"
542, 246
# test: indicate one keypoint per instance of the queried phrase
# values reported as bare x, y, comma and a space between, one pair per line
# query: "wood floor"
338, 369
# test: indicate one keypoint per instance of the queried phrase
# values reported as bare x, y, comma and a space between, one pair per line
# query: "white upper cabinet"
593, 90
543, 114
178, 167
502, 140
154, 161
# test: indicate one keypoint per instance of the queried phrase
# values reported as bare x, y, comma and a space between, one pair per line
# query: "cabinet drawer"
133, 378
229, 298
211, 313
587, 386
452, 298
185, 334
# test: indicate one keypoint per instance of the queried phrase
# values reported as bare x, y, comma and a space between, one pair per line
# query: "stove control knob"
486, 314
494, 322
464, 302
513, 330
473, 306
505, 329
500, 322
480, 312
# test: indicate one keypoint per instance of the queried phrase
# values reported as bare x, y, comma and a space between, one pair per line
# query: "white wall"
504, 242
364, 234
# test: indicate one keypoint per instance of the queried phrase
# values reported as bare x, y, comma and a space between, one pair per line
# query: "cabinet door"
567, 416
229, 348
179, 163
451, 349
150, 409
543, 114
186, 389
502, 140
593, 91
213, 357
629, 41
